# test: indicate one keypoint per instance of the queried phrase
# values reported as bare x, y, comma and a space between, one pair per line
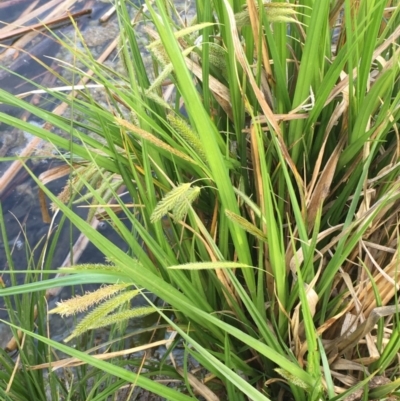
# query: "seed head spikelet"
95, 266
181, 208
168, 69
119, 317
217, 56
157, 99
98, 314
292, 378
191, 137
246, 225
276, 12
81, 303
178, 199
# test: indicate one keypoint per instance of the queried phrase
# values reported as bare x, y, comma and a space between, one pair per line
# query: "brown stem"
54, 23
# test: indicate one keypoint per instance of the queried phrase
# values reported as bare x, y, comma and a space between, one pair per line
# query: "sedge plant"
265, 195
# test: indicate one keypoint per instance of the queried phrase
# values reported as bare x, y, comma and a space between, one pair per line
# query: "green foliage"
294, 139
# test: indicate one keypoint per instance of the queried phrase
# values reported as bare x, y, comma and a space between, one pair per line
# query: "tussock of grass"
295, 141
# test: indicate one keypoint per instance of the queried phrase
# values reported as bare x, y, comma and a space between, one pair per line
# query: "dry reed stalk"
16, 165
108, 14
22, 20
73, 362
386, 284
52, 23
22, 42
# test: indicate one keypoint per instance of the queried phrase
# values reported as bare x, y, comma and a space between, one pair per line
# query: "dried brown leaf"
321, 190
198, 386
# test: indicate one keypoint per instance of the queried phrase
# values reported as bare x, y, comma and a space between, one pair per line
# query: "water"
26, 231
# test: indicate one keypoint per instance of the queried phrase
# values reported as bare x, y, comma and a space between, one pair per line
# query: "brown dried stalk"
53, 23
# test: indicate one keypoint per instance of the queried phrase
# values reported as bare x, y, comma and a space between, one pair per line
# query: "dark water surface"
26, 232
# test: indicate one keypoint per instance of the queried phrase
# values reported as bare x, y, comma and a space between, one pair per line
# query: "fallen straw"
54, 23
107, 15
11, 3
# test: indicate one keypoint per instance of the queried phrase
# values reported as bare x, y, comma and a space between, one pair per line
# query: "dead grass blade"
338, 112
219, 90
255, 26
385, 279
198, 386
352, 339
73, 362
391, 40
323, 185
